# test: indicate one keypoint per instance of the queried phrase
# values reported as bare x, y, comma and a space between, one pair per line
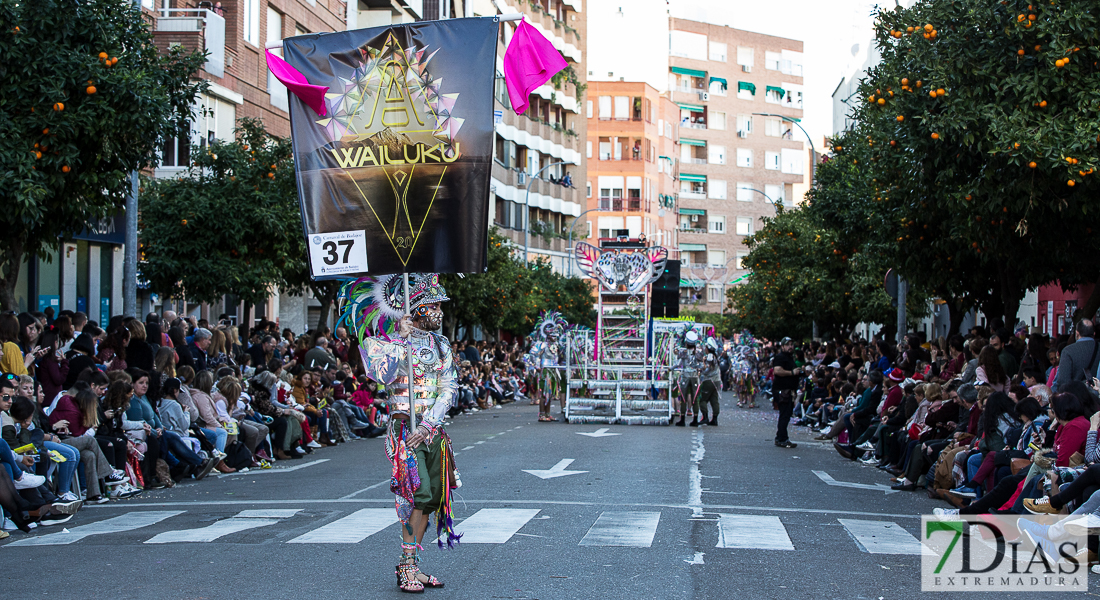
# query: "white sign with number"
338, 253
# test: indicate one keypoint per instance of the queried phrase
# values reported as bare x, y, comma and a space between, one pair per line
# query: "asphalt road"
654, 512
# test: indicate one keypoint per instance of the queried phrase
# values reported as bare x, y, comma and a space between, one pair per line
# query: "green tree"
85, 98
981, 130
232, 226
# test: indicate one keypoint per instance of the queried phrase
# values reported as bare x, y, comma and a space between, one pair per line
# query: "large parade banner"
393, 168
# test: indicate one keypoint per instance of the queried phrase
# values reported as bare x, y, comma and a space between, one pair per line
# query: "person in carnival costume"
688, 383
424, 471
547, 359
710, 385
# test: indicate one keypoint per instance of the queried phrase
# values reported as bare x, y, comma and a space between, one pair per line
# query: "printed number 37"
333, 256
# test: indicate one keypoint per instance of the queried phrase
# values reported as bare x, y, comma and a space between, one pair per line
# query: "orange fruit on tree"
1033, 164
1032, 17
65, 169
1058, 63
935, 136
909, 30
37, 154
58, 106
932, 93
1071, 183
918, 83
1020, 52
932, 34
1020, 17
1016, 145
90, 89
905, 81
881, 101
940, 92
1065, 60
901, 118
184, 221
1027, 23
928, 27
927, 36
46, 131
102, 56
1038, 47
1043, 104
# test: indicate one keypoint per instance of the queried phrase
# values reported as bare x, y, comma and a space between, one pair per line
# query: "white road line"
351, 529
467, 448
268, 513
760, 532
210, 532
695, 477
126, 522
275, 470
480, 442
882, 537
494, 525
368, 488
634, 529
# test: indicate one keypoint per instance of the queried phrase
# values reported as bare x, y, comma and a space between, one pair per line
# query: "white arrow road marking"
557, 470
878, 487
698, 560
601, 432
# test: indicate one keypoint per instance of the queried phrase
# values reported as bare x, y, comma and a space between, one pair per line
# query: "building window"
744, 191
773, 95
697, 188
744, 158
714, 293
588, 190
275, 88
717, 88
744, 225
588, 109
176, 151
668, 130
745, 90
716, 224
622, 108
717, 121
775, 192
771, 60
431, 10
252, 22
718, 52
605, 107
740, 262
716, 258
773, 127
716, 155
771, 161
588, 149
744, 56
717, 189
688, 44
217, 120
744, 124
792, 161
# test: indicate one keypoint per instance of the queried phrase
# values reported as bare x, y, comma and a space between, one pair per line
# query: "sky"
827, 28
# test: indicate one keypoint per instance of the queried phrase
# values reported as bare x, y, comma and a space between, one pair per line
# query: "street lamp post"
813, 162
527, 209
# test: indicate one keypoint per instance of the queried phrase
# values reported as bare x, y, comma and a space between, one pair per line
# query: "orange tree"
981, 133
85, 98
231, 227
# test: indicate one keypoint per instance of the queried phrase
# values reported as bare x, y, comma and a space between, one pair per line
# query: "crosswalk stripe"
126, 522
623, 528
494, 525
268, 513
210, 532
760, 532
351, 529
882, 537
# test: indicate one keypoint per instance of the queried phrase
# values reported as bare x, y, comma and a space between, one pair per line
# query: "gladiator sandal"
407, 571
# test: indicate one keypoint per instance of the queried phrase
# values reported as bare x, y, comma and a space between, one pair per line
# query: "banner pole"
409, 359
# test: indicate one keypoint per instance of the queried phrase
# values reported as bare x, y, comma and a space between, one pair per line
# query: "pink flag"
530, 61
312, 95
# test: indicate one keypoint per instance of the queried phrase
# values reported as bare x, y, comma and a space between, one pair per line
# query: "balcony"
698, 230
695, 125
688, 195
194, 28
694, 161
621, 205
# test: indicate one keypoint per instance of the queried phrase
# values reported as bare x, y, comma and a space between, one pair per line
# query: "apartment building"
741, 151
632, 155
539, 167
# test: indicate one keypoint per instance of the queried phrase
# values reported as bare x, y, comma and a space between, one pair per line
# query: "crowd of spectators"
92, 413
991, 422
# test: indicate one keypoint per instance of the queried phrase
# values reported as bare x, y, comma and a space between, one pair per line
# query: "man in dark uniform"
785, 381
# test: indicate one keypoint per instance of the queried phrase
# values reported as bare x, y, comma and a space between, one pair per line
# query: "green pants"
428, 460
708, 396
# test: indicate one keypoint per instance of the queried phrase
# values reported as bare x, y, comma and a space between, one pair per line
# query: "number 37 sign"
338, 253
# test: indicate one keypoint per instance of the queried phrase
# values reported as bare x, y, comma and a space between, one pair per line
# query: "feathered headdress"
549, 321
374, 306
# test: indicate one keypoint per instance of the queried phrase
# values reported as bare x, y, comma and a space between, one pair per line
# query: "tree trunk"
957, 313
246, 323
12, 260
326, 292
1011, 293
1089, 308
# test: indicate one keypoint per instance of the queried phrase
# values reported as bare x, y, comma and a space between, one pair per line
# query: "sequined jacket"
434, 382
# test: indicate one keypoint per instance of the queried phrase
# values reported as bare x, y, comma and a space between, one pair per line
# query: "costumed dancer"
710, 385
546, 357
424, 471
688, 383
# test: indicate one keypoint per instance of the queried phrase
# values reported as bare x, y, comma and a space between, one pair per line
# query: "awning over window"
691, 72
691, 177
719, 80
744, 85
691, 283
779, 90
691, 107
692, 211
692, 142
693, 247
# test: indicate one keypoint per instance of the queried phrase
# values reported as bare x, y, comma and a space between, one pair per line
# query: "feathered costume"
375, 306
547, 354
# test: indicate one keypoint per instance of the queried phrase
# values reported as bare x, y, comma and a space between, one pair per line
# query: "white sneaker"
866, 446
219, 454
313, 444
69, 497
29, 481
8, 525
